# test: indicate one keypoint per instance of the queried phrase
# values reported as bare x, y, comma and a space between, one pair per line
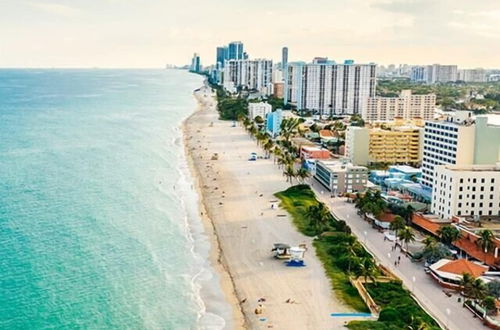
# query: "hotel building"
396, 145
472, 75
435, 73
461, 139
466, 190
248, 74
329, 88
407, 106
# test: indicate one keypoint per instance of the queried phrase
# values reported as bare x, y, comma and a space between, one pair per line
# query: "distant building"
221, 56
461, 139
328, 88
396, 145
235, 51
260, 109
341, 177
406, 106
472, 75
437, 73
284, 58
273, 123
195, 63
470, 190
248, 74
418, 74
310, 152
278, 89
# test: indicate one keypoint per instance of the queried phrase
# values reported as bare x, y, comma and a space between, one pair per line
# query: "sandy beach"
236, 197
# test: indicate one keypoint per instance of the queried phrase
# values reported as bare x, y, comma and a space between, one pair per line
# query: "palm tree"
429, 241
449, 234
406, 235
367, 269
288, 126
318, 216
397, 224
268, 146
289, 173
303, 174
466, 283
477, 290
485, 240
489, 305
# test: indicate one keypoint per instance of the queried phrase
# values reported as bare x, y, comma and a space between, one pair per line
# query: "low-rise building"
406, 106
341, 177
449, 273
307, 152
260, 109
273, 123
471, 190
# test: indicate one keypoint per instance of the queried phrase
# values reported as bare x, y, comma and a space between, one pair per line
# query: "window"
482, 180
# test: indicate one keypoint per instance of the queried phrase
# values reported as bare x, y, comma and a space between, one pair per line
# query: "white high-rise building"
467, 190
329, 88
461, 140
259, 109
248, 74
438, 73
472, 75
407, 106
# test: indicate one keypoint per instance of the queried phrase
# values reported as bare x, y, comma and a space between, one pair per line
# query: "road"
429, 294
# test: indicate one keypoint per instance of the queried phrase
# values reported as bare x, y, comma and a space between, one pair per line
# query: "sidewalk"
447, 310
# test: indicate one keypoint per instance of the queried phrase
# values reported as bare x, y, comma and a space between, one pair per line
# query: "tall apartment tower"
235, 51
248, 74
329, 88
284, 58
221, 56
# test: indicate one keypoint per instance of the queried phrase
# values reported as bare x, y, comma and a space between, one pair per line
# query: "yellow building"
394, 145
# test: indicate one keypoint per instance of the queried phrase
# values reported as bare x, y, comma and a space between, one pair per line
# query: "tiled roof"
462, 266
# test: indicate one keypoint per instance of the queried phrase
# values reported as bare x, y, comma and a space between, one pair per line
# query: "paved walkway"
446, 309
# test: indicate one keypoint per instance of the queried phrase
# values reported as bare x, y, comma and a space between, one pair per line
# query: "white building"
461, 139
248, 74
407, 106
329, 88
471, 190
438, 73
341, 176
472, 75
259, 109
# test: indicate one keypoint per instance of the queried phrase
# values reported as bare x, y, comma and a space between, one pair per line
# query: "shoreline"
216, 255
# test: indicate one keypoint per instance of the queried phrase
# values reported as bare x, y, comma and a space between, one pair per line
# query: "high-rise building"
407, 106
437, 73
328, 88
418, 74
461, 139
472, 75
221, 56
235, 51
260, 109
284, 58
248, 74
195, 63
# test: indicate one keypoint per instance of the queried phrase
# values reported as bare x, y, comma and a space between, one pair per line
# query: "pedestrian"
395, 263
399, 258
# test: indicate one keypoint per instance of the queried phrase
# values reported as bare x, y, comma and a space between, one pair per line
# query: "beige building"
407, 106
341, 177
396, 145
278, 90
259, 109
466, 190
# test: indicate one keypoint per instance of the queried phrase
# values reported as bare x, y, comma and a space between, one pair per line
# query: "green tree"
478, 290
406, 235
449, 234
486, 240
466, 283
435, 252
290, 173
489, 305
303, 174
367, 269
494, 288
397, 225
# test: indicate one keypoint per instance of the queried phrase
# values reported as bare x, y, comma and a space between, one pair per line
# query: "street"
447, 310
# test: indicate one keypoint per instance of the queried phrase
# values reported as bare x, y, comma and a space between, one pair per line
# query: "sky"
152, 33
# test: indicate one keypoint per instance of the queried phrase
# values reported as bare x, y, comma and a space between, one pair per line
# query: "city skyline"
63, 33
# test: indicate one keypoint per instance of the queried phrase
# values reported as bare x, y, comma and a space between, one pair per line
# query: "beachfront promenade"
446, 309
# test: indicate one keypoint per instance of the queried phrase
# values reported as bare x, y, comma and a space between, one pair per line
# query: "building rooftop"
405, 169
473, 168
460, 266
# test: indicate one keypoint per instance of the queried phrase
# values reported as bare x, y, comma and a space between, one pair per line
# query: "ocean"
99, 224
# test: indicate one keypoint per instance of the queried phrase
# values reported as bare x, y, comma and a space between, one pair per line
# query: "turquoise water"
97, 214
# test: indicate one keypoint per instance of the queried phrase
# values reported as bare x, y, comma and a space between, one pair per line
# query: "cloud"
56, 9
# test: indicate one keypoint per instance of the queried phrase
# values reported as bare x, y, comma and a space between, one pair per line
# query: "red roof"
424, 223
326, 133
462, 266
386, 217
